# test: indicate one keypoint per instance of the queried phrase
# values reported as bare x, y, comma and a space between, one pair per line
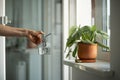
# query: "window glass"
106, 20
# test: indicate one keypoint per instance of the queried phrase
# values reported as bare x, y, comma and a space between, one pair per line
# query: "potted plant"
83, 41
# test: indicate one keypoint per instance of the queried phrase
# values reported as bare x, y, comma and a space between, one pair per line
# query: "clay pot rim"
87, 43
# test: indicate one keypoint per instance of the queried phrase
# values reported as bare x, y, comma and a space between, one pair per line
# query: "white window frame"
99, 11
2, 45
70, 18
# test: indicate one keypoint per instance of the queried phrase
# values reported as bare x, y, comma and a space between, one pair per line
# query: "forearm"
10, 31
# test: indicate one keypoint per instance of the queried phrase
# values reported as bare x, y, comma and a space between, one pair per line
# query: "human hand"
35, 36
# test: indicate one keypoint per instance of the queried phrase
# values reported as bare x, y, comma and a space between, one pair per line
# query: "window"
74, 13
102, 20
86, 12
106, 20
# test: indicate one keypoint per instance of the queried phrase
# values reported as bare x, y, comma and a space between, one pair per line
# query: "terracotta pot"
87, 52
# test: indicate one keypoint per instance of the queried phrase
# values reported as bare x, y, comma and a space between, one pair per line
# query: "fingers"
36, 36
40, 32
37, 32
35, 39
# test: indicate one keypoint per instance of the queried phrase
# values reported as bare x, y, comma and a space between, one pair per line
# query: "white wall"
115, 39
2, 45
115, 50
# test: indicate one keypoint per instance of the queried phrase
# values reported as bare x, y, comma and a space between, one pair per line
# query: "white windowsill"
100, 68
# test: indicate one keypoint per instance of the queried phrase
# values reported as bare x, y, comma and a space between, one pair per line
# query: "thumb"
41, 32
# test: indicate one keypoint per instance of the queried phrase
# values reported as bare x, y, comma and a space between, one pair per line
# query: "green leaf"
70, 42
102, 34
93, 28
72, 30
102, 45
72, 38
85, 28
75, 51
68, 53
85, 34
88, 41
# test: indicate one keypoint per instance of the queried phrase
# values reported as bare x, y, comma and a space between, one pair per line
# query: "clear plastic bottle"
42, 48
